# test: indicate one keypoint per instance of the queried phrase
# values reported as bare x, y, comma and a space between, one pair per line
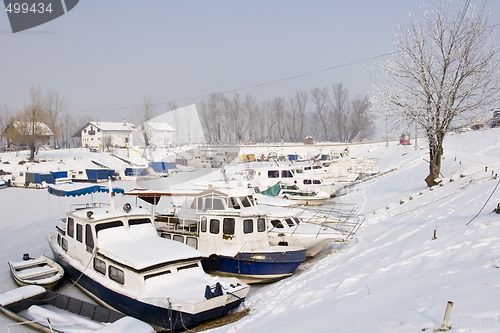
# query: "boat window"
286, 174
307, 182
107, 225
79, 232
296, 220
247, 226
214, 226
59, 239
197, 204
246, 201
213, 204
156, 274
195, 265
179, 238
64, 244
116, 275
89, 239
167, 236
290, 222
71, 227
228, 226
261, 224
316, 167
204, 224
273, 174
192, 241
233, 203
100, 266
139, 221
307, 168
316, 181
276, 224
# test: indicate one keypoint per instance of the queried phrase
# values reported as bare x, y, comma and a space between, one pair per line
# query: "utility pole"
415, 136
386, 130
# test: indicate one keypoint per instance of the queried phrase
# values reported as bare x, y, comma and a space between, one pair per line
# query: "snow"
392, 276
140, 247
16, 295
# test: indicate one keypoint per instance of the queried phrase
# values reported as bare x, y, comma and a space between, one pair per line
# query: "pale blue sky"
106, 54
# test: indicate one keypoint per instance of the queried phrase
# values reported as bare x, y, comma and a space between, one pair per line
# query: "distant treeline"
322, 114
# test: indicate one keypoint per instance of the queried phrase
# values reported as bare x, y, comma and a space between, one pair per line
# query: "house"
17, 134
159, 134
99, 134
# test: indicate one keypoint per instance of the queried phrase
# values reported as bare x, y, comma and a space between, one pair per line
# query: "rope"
485, 203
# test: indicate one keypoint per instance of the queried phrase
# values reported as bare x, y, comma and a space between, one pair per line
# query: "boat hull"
256, 267
41, 271
161, 318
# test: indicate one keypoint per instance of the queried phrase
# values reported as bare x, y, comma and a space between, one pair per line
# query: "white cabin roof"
140, 247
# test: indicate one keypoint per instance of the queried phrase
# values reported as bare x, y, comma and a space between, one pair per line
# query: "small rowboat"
40, 271
50, 312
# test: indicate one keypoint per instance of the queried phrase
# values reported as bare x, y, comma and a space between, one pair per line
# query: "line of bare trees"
323, 114
45, 116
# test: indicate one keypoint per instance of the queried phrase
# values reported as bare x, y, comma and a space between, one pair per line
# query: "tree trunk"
435, 155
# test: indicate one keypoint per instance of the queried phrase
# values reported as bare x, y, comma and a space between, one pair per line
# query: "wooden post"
446, 319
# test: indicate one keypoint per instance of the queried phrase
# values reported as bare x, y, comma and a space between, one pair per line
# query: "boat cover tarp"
135, 172
59, 174
162, 167
73, 190
273, 191
97, 174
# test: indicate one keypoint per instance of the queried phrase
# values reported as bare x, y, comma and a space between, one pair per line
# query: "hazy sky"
106, 54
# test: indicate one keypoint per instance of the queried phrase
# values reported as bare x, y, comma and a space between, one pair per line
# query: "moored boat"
117, 257
51, 312
233, 241
40, 271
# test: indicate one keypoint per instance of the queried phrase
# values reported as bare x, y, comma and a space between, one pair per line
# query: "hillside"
394, 275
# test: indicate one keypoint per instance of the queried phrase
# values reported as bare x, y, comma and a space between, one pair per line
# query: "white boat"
292, 192
265, 177
40, 271
117, 257
51, 312
231, 235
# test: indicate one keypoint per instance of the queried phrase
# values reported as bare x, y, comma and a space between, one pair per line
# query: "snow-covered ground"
393, 276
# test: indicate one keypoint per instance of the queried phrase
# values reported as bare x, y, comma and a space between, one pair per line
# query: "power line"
255, 85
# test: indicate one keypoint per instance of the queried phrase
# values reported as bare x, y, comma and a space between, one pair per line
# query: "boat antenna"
111, 195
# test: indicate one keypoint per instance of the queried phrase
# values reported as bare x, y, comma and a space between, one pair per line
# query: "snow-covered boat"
292, 192
3, 183
51, 312
233, 240
117, 257
40, 271
265, 177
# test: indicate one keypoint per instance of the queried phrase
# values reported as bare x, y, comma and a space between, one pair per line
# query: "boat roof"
73, 190
103, 214
139, 247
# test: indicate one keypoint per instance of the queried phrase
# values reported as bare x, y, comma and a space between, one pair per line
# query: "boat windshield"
107, 225
277, 224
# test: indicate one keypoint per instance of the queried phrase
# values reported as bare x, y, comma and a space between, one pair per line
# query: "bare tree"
320, 99
29, 125
446, 66
298, 111
143, 115
360, 120
55, 104
341, 112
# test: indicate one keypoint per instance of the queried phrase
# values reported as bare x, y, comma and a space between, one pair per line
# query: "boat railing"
174, 224
341, 218
88, 205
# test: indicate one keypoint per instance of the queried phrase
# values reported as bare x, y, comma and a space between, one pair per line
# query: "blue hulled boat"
116, 256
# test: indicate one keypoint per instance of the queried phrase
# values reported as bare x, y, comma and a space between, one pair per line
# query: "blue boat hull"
166, 319
256, 267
